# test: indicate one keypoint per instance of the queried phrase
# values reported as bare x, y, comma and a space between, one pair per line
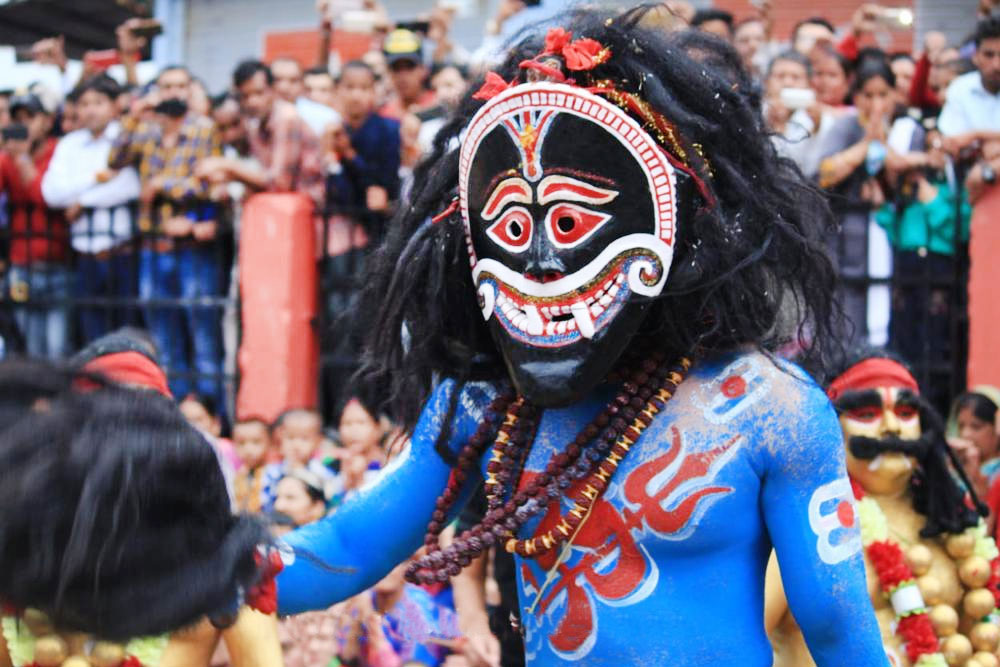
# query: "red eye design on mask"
569, 225
513, 230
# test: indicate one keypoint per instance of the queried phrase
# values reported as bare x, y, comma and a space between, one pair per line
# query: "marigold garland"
21, 646
914, 627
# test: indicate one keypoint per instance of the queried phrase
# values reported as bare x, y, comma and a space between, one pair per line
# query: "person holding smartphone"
178, 258
793, 113
38, 281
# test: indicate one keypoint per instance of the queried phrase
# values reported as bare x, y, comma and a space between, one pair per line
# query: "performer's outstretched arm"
808, 508
380, 526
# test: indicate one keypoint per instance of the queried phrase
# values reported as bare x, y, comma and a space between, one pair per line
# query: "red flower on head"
493, 86
584, 54
556, 40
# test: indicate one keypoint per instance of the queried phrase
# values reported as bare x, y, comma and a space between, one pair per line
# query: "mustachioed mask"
569, 207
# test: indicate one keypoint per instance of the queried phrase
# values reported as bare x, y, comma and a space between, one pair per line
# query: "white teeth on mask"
562, 326
596, 310
546, 312
581, 315
489, 299
535, 324
606, 300
550, 328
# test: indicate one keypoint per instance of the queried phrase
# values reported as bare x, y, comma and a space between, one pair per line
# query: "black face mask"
866, 448
571, 215
172, 108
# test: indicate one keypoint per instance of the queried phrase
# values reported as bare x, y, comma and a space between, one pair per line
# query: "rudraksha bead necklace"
597, 450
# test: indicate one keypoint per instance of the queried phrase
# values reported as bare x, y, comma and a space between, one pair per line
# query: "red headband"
869, 374
130, 368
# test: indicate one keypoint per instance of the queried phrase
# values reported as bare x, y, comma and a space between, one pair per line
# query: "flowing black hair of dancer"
936, 493
755, 250
115, 515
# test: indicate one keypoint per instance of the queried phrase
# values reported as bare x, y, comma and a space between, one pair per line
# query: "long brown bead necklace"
596, 451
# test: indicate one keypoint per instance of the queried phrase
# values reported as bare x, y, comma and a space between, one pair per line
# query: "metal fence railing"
69, 282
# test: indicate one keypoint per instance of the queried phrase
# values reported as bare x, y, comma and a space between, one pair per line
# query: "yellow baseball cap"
402, 44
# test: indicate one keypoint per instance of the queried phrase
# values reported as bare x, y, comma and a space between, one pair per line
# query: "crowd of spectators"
122, 206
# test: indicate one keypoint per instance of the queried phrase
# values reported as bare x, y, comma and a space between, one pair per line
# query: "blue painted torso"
669, 567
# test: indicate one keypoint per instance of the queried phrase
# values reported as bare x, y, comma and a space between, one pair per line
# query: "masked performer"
931, 568
631, 235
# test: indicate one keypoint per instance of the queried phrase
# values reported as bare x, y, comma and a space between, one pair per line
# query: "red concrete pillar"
984, 291
279, 350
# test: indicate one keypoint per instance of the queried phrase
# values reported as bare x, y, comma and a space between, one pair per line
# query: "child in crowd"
395, 622
361, 432
301, 496
309, 639
201, 412
252, 441
361, 455
298, 433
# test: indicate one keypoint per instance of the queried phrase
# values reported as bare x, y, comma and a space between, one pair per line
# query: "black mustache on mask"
863, 447
172, 107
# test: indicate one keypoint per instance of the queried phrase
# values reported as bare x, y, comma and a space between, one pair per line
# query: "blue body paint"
669, 567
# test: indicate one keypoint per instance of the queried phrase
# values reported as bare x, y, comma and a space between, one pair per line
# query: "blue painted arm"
807, 503
382, 525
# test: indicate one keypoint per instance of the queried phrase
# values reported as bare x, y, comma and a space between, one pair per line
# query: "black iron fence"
925, 292
68, 282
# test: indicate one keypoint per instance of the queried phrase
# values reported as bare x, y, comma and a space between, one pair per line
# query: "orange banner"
984, 299
279, 349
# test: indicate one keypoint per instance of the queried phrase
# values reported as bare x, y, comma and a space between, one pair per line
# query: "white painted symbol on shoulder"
825, 519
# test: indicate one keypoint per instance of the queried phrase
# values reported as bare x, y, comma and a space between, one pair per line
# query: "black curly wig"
116, 520
749, 246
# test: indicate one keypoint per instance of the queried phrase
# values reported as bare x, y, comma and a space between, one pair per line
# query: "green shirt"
930, 225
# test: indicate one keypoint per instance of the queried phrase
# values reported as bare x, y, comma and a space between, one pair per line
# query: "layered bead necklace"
594, 454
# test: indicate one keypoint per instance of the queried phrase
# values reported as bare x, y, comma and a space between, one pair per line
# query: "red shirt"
42, 235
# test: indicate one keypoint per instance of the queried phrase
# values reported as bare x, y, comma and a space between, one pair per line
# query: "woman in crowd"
831, 76
972, 433
856, 159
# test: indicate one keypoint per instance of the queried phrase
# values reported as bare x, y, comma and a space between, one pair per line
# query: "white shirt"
72, 179
802, 142
317, 116
969, 107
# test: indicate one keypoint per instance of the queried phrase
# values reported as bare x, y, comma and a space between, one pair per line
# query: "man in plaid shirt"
179, 258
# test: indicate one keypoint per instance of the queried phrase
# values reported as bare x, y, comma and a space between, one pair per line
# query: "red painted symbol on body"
613, 566
734, 386
845, 513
